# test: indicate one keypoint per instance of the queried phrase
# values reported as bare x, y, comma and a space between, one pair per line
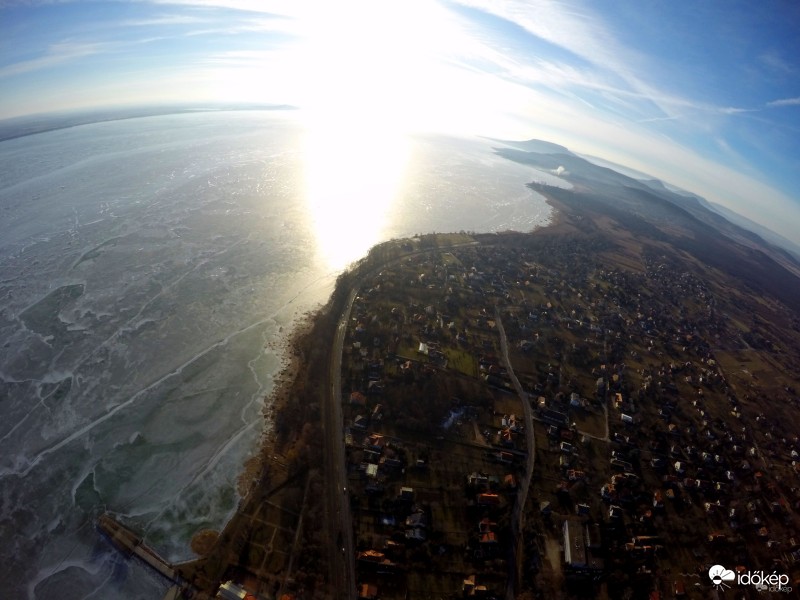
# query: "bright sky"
704, 95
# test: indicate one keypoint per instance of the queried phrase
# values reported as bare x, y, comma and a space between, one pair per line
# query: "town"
556, 414
527, 414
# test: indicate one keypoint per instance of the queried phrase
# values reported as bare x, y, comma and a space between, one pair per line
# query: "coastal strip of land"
581, 410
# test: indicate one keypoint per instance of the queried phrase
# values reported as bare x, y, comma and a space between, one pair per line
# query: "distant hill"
686, 221
625, 170
33, 124
767, 234
656, 184
539, 146
580, 169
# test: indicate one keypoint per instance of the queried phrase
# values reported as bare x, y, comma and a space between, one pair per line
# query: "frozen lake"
149, 270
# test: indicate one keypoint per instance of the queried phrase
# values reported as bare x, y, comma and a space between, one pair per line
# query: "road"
341, 551
530, 442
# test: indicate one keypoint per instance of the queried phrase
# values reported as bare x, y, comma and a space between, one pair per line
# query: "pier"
132, 544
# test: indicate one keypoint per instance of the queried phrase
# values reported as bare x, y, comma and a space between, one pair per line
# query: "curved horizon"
703, 98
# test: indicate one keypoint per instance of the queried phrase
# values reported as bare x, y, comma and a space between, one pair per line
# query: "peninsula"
605, 407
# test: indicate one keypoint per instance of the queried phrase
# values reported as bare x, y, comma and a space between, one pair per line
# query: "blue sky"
705, 95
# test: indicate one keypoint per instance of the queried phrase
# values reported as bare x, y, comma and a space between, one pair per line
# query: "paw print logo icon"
720, 576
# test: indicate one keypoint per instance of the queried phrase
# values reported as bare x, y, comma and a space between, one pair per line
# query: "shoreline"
288, 350
282, 537
290, 445
291, 353
272, 465
292, 363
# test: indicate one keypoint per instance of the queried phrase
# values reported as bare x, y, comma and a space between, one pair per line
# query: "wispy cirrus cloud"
56, 54
785, 102
236, 18
602, 64
571, 28
277, 7
274, 25
776, 63
164, 20
733, 110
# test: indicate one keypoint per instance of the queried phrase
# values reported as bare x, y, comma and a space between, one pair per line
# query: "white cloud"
732, 110
785, 102
164, 20
439, 68
606, 67
738, 186
574, 29
56, 54
776, 63
281, 7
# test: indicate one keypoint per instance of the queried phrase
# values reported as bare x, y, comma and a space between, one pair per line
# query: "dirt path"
553, 556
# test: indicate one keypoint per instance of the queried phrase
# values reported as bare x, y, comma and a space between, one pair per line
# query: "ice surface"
148, 271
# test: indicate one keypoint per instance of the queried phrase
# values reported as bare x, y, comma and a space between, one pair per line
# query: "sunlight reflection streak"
352, 180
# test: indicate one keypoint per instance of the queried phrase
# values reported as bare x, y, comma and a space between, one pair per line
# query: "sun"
374, 62
352, 178
362, 103
372, 74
